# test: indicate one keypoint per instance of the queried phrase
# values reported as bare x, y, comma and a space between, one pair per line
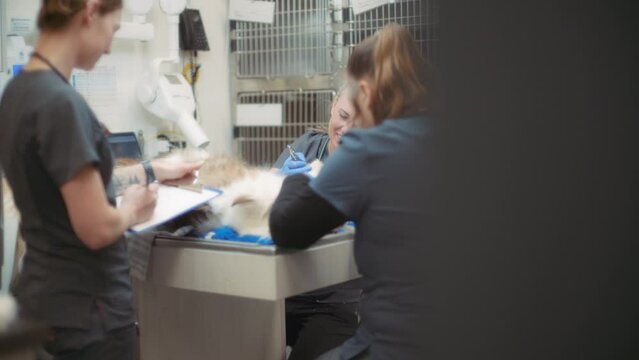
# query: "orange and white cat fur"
248, 193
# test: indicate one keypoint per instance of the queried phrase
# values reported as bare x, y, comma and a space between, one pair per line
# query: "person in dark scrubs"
323, 319
53, 150
373, 179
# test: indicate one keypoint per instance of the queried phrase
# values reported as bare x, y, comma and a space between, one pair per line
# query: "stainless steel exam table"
218, 300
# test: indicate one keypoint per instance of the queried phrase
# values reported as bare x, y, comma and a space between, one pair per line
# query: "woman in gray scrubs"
75, 275
375, 178
319, 143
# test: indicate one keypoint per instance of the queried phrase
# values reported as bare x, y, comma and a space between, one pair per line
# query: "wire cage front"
306, 49
298, 43
301, 110
420, 17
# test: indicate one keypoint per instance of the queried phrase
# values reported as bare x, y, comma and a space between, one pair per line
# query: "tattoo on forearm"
120, 183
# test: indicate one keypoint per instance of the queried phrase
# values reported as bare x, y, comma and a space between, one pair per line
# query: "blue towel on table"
229, 234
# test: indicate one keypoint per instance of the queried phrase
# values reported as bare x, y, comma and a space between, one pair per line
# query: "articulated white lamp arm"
139, 28
173, 9
169, 96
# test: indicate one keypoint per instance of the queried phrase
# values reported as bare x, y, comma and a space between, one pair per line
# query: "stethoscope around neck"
41, 57
323, 152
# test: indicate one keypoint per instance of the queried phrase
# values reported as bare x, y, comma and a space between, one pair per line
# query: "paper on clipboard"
360, 6
251, 10
172, 202
259, 115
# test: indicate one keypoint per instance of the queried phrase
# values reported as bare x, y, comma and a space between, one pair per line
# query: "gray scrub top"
373, 178
48, 134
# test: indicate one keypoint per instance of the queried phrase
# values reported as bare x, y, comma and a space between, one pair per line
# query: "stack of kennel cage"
299, 61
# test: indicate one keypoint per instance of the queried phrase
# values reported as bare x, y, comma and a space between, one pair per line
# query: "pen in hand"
292, 152
294, 164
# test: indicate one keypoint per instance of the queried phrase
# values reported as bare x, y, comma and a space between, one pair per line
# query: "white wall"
10, 232
213, 88
21, 9
132, 58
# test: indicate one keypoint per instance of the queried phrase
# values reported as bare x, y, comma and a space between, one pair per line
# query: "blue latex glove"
298, 166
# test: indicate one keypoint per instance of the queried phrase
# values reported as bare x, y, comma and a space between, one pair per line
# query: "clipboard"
174, 201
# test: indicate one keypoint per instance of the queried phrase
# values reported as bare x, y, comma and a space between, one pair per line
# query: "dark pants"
120, 344
315, 328
337, 354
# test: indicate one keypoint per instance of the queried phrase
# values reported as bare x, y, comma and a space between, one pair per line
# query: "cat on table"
248, 193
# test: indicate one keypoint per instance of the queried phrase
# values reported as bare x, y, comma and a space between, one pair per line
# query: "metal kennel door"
298, 62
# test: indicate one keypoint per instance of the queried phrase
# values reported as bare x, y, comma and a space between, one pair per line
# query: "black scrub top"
375, 178
48, 134
314, 145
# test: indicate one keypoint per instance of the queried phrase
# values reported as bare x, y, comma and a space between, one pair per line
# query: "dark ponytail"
400, 78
